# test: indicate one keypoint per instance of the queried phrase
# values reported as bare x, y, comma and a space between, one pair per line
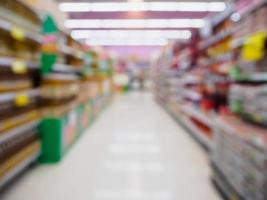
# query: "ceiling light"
131, 34
134, 23
133, 42
142, 6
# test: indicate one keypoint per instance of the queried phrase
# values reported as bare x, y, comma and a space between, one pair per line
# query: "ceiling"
133, 15
91, 16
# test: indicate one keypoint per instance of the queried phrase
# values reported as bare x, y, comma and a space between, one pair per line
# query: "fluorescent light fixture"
134, 23
131, 34
131, 42
142, 6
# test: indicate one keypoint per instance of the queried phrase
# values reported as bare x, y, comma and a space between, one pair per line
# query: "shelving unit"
19, 114
42, 71
220, 96
19, 168
67, 69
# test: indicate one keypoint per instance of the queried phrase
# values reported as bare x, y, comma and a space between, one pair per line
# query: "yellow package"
253, 49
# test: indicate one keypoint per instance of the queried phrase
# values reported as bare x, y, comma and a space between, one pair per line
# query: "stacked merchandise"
184, 88
101, 78
222, 96
239, 159
59, 90
176, 59
241, 140
162, 72
248, 94
206, 84
249, 100
75, 87
19, 61
123, 76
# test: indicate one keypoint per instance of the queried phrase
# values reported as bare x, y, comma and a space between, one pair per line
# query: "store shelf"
238, 42
7, 26
9, 96
200, 136
226, 57
223, 185
197, 133
255, 118
18, 130
71, 51
65, 68
216, 38
8, 62
191, 94
190, 79
253, 136
61, 76
253, 77
22, 166
197, 114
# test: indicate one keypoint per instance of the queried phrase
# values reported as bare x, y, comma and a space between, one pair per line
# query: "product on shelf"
180, 82
240, 154
75, 87
250, 101
13, 104
59, 88
228, 75
20, 42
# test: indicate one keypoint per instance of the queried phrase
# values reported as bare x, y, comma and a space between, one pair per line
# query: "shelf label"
19, 67
18, 33
21, 100
253, 49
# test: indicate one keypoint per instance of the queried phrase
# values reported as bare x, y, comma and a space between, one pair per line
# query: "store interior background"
133, 100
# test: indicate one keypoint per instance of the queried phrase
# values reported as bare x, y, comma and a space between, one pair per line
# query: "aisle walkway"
134, 151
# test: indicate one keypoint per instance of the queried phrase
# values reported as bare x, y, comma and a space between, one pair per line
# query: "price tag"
18, 33
22, 100
253, 49
19, 67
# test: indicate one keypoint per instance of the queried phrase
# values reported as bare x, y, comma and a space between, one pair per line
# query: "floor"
134, 151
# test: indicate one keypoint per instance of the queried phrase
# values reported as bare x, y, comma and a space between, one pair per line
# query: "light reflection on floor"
132, 195
134, 151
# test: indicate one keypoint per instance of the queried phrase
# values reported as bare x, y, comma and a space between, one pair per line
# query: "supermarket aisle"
134, 151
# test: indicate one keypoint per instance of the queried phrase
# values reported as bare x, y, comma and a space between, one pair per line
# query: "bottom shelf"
22, 166
197, 133
59, 133
221, 183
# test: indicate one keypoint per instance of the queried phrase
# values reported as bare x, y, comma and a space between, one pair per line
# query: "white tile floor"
134, 151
